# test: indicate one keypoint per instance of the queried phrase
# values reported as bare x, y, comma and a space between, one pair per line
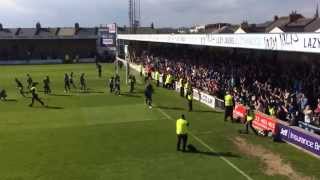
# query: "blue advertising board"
299, 137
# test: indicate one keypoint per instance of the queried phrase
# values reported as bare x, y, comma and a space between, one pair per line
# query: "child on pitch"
148, 94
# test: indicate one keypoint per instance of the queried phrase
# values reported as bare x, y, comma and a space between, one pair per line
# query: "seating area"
47, 43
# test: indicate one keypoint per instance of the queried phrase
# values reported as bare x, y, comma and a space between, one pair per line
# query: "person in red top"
317, 110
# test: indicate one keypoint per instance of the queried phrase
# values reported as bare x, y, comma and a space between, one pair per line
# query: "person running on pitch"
29, 81
110, 82
182, 83
99, 67
148, 94
20, 87
157, 78
83, 84
35, 96
46, 85
3, 94
117, 85
132, 82
66, 83
190, 99
72, 81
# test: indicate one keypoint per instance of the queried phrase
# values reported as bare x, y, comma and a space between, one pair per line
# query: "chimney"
244, 24
77, 27
294, 16
317, 11
275, 18
38, 26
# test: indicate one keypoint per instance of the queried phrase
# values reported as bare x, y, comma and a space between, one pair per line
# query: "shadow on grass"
61, 95
47, 107
170, 108
139, 91
131, 95
91, 91
10, 100
54, 107
96, 92
193, 150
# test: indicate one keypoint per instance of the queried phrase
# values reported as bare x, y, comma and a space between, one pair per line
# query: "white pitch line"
208, 147
211, 149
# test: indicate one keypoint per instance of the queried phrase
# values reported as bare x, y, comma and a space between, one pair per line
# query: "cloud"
163, 13
12, 6
188, 12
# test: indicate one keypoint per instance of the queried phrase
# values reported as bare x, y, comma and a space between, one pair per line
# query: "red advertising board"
240, 112
264, 122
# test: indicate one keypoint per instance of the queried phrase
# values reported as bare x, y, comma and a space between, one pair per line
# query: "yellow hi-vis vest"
186, 86
228, 100
157, 76
171, 79
190, 97
249, 118
181, 126
181, 82
272, 112
168, 79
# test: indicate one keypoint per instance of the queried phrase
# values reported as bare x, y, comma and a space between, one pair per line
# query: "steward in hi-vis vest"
229, 104
249, 121
182, 133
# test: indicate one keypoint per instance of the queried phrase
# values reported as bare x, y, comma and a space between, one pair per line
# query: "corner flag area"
97, 135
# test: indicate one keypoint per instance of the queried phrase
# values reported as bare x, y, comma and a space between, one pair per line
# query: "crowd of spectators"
288, 91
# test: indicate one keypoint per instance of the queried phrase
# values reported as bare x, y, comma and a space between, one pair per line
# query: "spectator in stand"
303, 101
259, 106
307, 114
316, 117
317, 110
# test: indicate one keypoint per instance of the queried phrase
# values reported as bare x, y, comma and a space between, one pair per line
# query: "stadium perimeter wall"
43, 62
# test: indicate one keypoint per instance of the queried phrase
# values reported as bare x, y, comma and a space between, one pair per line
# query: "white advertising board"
295, 42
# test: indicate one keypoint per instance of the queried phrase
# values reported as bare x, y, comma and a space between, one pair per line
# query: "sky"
164, 13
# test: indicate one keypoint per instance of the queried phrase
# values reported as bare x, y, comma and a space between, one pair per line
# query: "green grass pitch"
100, 136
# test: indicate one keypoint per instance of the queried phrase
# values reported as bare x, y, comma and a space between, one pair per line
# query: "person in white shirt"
307, 114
